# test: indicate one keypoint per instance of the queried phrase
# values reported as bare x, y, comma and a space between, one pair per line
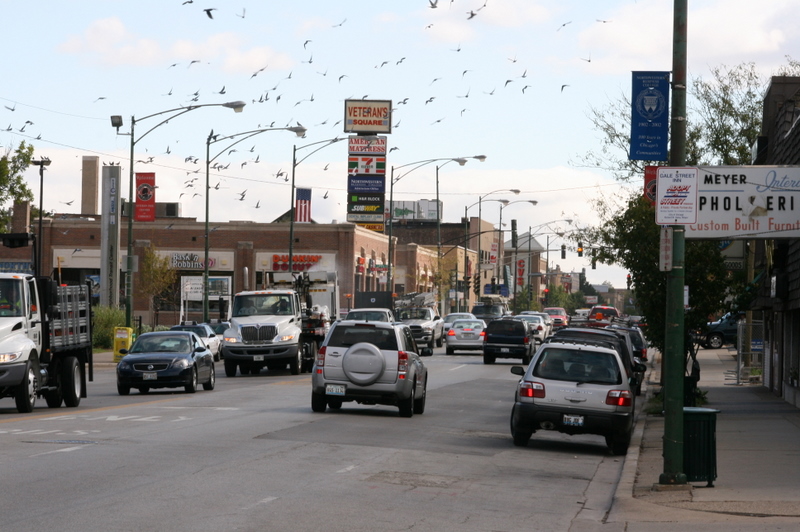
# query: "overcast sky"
514, 82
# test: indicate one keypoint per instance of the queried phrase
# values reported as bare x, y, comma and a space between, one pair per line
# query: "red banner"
145, 197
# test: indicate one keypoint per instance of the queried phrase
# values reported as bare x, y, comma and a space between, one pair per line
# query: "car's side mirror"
518, 370
638, 367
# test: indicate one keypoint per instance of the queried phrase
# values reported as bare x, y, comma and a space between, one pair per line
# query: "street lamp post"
501, 251
116, 121
41, 163
295, 163
392, 180
530, 257
212, 139
480, 201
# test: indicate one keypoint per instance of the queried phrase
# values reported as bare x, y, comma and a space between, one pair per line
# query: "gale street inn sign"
676, 197
742, 202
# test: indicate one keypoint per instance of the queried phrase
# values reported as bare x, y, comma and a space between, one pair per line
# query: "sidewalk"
758, 461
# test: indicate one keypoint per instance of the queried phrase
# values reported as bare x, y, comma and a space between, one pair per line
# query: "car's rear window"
367, 315
347, 335
606, 312
468, 324
506, 327
577, 366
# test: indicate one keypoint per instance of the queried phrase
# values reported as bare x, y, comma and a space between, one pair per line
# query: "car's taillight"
402, 363
320, 360
531, 389
539, 328
619, 398
483, 333
643, 356
526, 340
451, 332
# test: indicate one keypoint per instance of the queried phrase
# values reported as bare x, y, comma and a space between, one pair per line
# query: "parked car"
205, 332
602, 315
465, 335
373, 362
507, 339
370, 314
638, 340
489, 312
559, 315
618, 340
166, 359
720, 332
453, 316
574, 388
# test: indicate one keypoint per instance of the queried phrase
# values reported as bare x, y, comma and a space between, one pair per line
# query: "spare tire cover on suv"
363, 363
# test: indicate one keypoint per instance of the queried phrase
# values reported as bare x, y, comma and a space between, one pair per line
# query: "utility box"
123, 338
700, 444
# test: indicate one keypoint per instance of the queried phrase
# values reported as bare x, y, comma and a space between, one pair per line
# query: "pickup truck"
426, 326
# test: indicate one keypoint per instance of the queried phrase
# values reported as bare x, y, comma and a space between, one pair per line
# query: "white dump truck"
45, 341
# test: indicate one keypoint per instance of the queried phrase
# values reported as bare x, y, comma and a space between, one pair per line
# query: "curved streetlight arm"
236, 106
299, 131
327, 141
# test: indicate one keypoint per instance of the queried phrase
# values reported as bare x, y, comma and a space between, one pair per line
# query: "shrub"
105, 320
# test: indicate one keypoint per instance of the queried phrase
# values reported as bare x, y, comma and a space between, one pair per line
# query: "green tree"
12, 187
156, 279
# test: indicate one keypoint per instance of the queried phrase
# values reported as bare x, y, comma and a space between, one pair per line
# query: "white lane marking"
64, 450
458, 367
262, 501
346, 469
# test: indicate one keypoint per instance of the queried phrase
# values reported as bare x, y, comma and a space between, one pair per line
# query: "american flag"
302, 205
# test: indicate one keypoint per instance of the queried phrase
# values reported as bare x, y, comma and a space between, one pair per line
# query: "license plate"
258, 358
573, 421
467, 335
334, 389
504, 350
151, 376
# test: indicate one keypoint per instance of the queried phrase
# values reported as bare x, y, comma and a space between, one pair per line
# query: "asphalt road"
251, 455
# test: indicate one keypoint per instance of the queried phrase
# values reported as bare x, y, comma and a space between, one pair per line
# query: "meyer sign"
738, 202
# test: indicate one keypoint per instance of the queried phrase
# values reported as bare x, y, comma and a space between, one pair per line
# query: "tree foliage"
12, 187
156, 278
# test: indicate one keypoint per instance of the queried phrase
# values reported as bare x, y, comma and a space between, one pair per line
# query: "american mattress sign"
736, 202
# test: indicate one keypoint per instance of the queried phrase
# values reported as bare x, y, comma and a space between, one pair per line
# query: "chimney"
21, 217
90, 184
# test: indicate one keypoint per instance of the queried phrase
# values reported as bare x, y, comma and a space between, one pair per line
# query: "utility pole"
674, 338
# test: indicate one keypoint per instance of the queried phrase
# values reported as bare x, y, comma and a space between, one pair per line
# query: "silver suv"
370, 363
575, 388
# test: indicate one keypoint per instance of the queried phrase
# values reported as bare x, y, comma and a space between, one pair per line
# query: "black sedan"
166, 359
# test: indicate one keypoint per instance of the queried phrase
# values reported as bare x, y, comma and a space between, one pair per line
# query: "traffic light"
476, 286
16, 240
467, 280
594, 259
546, 295
563, 251
629, 281
514, 234
580, 249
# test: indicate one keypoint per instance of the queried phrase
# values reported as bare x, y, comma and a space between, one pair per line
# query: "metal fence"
750, 352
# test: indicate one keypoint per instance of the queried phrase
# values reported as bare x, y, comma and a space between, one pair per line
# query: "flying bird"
193, 61
587, 60
14, 108
433, 4
305, 43
471, 14
326, 195
258, 204
209, 10
67, 202
99, 98
564, 24
563, 87
242, 15
222, 90
339, 24
76, 250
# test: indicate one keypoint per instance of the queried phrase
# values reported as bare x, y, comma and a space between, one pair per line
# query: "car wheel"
297, 361
71, 382
432, 343
526, 359
123, 390
216, 357
406, 405
714, 341
192, 386
618, 444
25, 395
488, 359
335, 403
212, 379
440, 341
318, 402
521, 438
54, 398
450, 351
419, 402
230, 368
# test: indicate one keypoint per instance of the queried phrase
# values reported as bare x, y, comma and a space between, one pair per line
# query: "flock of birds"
281, 90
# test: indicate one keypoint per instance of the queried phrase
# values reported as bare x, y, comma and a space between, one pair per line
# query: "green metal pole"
674, 337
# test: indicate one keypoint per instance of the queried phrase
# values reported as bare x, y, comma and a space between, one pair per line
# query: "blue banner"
649, 116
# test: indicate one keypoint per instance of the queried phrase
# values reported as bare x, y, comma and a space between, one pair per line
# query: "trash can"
700, 444
123, 338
